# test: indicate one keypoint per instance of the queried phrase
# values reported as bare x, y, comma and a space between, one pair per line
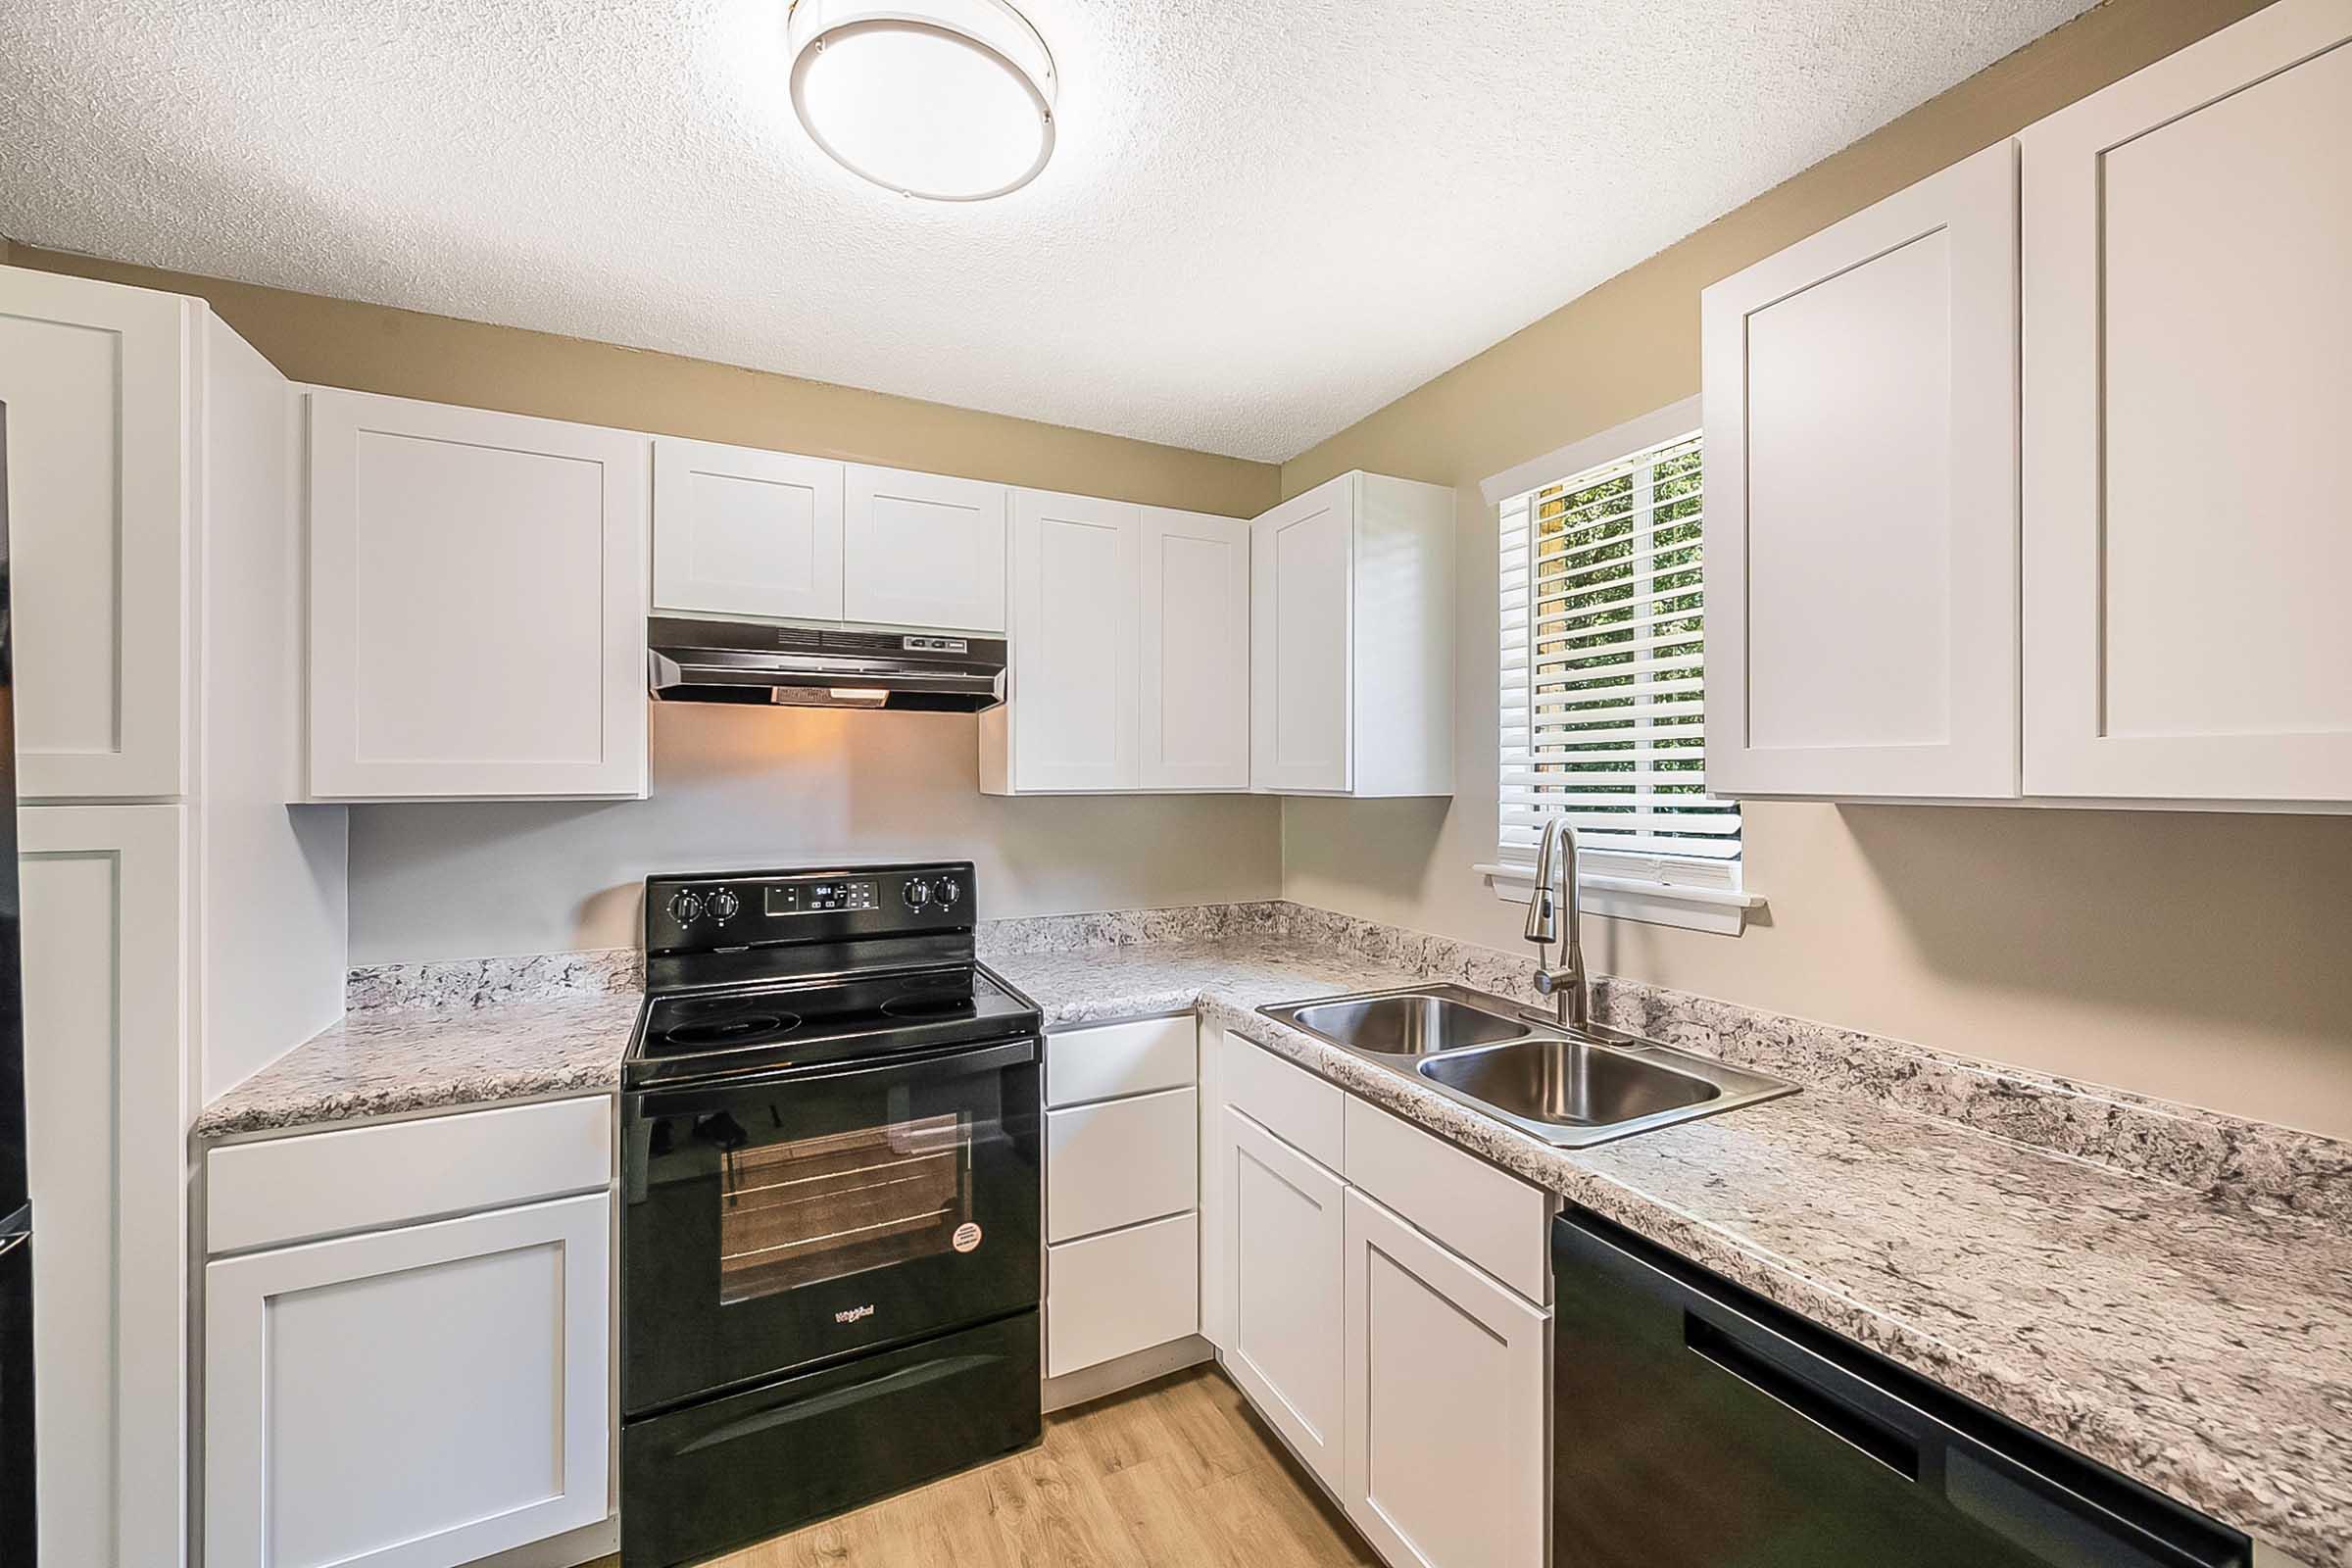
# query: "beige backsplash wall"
2197, 956
732, 787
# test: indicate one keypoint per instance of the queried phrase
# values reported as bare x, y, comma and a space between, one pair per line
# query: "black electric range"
831, 1123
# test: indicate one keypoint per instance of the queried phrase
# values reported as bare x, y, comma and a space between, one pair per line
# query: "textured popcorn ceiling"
1264, 220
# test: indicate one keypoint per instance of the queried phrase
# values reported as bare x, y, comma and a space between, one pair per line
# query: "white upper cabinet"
1074, 709
741, 531
477, 604
97, 382
1196, 651
1861, 502
2187, 238
924, 549
1130, 651
1351, 640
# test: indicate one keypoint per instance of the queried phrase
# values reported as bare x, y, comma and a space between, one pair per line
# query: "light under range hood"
695, 660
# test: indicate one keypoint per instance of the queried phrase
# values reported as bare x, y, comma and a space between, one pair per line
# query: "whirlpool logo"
852, 1314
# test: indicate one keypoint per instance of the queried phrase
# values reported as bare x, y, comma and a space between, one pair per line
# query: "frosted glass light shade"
951, 100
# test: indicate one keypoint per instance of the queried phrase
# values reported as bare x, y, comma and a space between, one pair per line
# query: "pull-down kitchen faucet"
1565, 985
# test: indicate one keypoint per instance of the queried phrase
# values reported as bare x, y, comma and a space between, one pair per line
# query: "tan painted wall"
2195, 957
740, 787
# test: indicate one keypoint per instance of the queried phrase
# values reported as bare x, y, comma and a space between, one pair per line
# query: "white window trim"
1700, 896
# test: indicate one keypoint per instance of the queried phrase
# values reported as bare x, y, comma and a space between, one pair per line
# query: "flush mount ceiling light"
951, 100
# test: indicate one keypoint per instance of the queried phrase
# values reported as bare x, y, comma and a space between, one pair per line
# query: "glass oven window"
812, 1209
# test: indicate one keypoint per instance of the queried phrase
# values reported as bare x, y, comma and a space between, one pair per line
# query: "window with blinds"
1603, 673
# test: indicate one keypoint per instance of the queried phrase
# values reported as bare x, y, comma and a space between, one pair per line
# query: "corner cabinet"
2186, 484
1861, 502
1130, 651
477, 604
1351, 640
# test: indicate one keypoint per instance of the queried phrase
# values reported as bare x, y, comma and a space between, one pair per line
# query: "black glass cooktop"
703, 1033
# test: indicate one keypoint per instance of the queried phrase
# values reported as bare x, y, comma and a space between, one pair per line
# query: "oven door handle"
955, 1063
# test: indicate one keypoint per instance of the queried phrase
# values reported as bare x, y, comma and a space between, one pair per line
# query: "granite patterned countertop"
2199, 1344
396, 1061
2192, 1333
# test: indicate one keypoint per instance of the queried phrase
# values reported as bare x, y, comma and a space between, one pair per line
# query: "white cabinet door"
741, 531
1301, 635
477, 604
924, 549
1075, 705
1861, 502
1285, 1268
96, 381
2187, 238
1196, 651
410, 1398
107, 1105
1448, 1388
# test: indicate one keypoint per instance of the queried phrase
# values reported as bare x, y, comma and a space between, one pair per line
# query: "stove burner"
724, 1031
940, 1004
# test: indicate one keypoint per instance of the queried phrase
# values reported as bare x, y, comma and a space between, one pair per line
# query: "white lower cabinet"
1285, 1265
1414, 1383
1123, 1191
1446, 1454
416, 1397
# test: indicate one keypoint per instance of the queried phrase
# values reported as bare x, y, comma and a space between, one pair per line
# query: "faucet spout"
1567, 983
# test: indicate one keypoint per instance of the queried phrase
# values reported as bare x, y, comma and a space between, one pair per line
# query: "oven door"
777, 1221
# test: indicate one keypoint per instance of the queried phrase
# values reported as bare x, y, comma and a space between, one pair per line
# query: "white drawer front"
1294, 1104
1112, 1295
1495, 1220
318, 1183
1121, 1059
1121, 1162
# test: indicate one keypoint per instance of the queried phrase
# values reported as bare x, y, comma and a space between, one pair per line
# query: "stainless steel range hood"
695, 660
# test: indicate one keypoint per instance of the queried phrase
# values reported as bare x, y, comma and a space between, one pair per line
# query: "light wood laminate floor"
1176, 1473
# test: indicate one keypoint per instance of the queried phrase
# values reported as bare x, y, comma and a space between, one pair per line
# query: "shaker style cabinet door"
1446, 1386
104, 895
96, 379
741, 531
1196, 651
410, 1398
1074, 705
924, 549
1861, 502
477, 604
2188, 481
1302, 641
1284, 1283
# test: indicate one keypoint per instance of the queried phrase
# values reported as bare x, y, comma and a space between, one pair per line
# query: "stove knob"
685, 907
947, 892
724, 903
918, 893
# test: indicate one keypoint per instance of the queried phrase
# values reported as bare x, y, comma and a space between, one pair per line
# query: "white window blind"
1603, 671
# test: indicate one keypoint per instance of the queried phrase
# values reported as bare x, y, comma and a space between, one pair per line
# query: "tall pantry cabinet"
151, 511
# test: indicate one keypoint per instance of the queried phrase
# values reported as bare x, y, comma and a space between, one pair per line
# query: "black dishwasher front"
1695, 1425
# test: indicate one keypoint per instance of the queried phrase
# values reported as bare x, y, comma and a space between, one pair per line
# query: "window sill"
1721, 910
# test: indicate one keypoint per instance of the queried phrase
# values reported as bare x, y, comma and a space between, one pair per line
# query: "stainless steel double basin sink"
1566, 1087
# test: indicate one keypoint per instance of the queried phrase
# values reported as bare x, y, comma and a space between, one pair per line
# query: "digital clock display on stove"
819, 898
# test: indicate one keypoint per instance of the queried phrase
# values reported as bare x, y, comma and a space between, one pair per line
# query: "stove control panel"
751, 908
